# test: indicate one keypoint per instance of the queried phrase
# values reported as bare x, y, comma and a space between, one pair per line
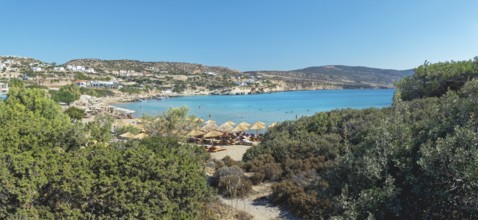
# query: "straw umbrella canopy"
213, 134
225, 127
127, 135
230, 123
200, 120
196, 133
141, 136
272, 125
209, 127
257, 126
239, 128
210, 122
244, 124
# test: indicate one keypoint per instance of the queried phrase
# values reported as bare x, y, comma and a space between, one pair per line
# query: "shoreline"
96, 105
137, 97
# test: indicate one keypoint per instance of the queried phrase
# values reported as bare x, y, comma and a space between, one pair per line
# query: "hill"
108, 66
341, 76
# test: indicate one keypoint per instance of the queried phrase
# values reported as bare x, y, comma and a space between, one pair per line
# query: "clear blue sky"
243, 34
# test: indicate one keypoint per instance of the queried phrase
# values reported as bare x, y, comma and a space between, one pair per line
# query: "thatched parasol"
258, 126
196, 133
213, 134
230, 123
244, 124
127, 135
272, 125
141, 136
210, 122
239, 128
225, 128
200, 120
209, 127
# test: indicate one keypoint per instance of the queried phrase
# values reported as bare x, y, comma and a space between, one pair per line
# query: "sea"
267, 108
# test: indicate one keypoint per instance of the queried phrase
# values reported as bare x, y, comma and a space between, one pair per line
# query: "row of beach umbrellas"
211, 130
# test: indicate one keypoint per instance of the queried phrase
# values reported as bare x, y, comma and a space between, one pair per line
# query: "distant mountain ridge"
353, 76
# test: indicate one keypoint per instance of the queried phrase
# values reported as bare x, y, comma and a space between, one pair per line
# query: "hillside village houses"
80, 69
37, 69
59, 69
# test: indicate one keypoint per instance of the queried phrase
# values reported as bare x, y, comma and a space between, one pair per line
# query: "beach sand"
234, 151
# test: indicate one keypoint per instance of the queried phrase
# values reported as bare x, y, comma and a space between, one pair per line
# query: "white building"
3, 89
76, 68
2, 65
211, 73
37, 69
90, 70
10, 62
59, 69
81, 83
104, 84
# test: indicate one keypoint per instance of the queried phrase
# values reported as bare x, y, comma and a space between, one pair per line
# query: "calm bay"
274, 107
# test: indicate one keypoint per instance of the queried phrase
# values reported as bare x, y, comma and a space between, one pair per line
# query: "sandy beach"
234, 151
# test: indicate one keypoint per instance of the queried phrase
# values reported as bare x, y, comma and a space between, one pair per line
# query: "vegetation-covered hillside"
342, 76
415, 160
140, 66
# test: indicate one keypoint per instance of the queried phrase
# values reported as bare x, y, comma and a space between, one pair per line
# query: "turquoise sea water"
268, 108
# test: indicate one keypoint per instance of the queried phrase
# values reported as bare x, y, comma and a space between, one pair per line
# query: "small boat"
142, 100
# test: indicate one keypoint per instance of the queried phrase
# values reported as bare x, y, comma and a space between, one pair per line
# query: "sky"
243, 34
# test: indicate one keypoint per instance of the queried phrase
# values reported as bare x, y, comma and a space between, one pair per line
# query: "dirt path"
256, 204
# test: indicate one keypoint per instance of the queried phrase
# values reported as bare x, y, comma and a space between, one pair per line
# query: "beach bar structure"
121, 111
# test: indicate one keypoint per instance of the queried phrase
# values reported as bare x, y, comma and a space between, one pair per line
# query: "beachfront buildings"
80, 69
104, 84
97, 84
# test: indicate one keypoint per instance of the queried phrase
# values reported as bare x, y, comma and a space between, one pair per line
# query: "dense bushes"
51, 168
434, 80
96, 92
414, 160
231, 182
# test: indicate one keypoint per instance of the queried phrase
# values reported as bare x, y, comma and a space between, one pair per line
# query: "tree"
75, 113
67, 94
45, 175
175, 122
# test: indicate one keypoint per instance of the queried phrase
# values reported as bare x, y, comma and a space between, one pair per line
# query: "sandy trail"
256, 204
234, 151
